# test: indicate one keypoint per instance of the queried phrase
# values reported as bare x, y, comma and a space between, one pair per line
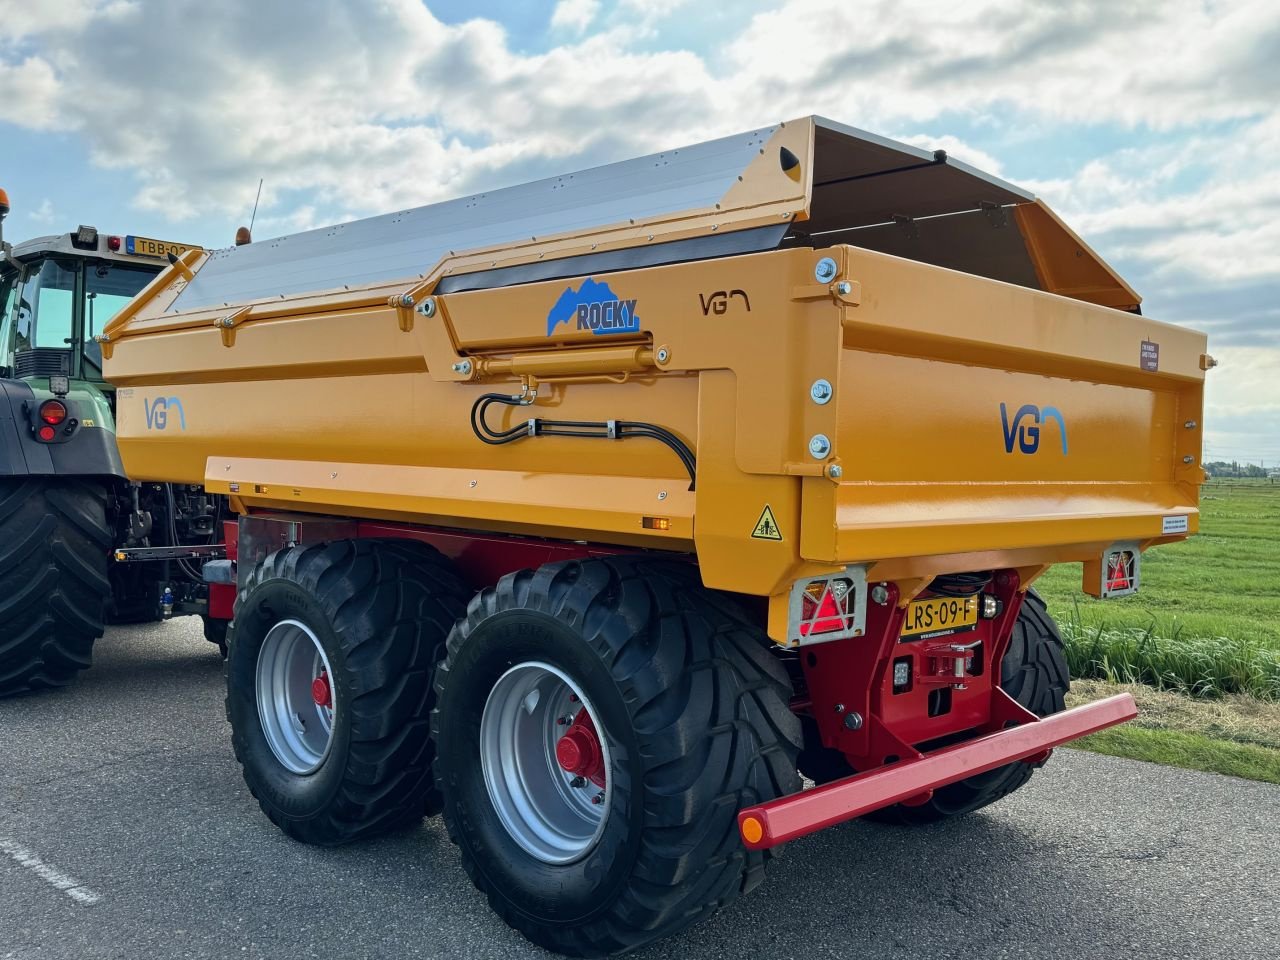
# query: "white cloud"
575, 15
1242, 405
43, 213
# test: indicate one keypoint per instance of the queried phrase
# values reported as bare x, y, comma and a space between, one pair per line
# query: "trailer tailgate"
980, 416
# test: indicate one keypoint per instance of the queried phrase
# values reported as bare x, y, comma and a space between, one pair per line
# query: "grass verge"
1235, 735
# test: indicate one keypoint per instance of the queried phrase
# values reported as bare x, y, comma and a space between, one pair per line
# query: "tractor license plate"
939, 617
146, 247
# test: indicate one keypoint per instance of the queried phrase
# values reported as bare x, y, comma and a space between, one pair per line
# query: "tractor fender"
89, 452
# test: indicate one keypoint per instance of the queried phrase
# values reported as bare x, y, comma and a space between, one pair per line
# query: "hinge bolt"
821, 391
825, 271
819, 446
1188, 459
663, 354
463, 367
844, 288
406, 300
427, 308
835, 471
1190, 425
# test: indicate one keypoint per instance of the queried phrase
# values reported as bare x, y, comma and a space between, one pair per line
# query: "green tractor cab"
80, 545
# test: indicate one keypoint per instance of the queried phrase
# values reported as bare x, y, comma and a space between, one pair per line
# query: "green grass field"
1205, 622
1207, 618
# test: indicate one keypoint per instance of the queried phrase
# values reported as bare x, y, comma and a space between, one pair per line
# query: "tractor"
80, 545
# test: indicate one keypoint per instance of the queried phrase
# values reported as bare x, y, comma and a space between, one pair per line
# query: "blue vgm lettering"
158, 410
1026, 425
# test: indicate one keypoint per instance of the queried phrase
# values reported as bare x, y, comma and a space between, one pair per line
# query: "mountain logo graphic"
593, 306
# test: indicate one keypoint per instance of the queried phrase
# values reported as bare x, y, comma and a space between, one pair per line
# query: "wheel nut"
598, 798
578, 782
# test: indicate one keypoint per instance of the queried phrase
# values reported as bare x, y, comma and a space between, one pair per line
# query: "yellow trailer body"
972, 422
870, 392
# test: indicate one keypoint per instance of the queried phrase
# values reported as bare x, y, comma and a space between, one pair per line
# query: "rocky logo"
593, 306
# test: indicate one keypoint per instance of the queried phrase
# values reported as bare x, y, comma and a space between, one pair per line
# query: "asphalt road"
126, 832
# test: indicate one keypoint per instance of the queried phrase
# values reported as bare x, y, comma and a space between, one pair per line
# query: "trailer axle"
769, 824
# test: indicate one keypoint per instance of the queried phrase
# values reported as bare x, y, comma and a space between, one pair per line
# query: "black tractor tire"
1033, 672
381, 610
54, 588
695, 710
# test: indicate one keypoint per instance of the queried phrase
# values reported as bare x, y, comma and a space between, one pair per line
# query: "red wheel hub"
579, 752
321, 692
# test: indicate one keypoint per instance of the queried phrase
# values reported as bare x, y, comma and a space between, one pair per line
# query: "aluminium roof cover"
847, 186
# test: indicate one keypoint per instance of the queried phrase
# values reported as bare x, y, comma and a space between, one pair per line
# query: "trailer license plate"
939, 617
146, 247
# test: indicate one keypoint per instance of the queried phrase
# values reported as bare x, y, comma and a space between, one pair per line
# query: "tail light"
1116, 573
829, 608
53, 412
113, 244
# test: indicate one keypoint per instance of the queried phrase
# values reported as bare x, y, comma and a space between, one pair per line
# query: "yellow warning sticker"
767, 526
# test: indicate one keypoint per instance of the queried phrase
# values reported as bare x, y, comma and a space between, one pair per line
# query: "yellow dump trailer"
590, 511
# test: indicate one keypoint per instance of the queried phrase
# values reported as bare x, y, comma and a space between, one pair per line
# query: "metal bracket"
996, 215
908, 226
227, 325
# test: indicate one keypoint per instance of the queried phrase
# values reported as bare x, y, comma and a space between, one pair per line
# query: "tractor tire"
329, 684
690, 721
1034, 673
54, 588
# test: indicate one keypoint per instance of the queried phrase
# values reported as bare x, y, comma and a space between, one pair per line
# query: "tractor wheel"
622, 715
329, 684
54, 544
1033, 672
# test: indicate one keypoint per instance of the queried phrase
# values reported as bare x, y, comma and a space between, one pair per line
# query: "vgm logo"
159, 409
1027, 425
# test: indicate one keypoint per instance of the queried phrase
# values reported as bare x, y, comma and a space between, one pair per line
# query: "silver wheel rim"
299, 730
545, 813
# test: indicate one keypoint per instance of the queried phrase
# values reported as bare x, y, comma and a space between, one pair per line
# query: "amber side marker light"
656, 523
752, 830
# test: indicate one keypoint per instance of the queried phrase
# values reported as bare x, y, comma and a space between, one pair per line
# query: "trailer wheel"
329, 687
54, 588
1034, 672
600, 724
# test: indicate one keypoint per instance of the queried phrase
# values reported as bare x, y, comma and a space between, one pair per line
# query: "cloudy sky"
1152, 126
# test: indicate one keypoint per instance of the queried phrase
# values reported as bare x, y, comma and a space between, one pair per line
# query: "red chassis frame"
901, 741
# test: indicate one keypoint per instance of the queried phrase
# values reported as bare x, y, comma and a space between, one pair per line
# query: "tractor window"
7, 280
108, 287
46, 310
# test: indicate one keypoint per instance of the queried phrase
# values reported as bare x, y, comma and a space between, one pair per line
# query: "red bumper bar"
770, 824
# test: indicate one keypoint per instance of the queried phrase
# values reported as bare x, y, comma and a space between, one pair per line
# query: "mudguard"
89, 452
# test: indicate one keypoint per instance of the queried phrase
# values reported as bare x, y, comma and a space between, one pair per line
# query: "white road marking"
72, 887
